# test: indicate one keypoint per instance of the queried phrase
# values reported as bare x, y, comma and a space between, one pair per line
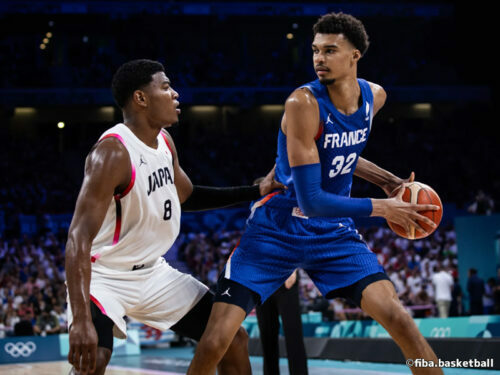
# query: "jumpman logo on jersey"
142, 160
328, 121
226, 293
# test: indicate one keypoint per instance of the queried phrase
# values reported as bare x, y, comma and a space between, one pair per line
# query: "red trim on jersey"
118, 225
166, 141
93, 258
320, 131
232, 252
98, 304
115, 135
264, 200
130, 184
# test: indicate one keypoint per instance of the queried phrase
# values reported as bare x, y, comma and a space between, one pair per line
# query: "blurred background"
234, 64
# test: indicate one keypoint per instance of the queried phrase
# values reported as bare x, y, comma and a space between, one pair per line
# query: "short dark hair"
341, 23
132, 76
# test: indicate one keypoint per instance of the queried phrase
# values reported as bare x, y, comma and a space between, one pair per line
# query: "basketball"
416, 192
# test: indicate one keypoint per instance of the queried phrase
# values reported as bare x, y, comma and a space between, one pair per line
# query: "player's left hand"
389, 188
268, 183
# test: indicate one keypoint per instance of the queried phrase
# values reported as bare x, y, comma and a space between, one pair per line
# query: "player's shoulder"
301, 99
379, 96
109, 149
377, 90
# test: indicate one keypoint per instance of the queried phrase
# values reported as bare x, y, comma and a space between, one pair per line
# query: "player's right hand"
83, 347
402, 213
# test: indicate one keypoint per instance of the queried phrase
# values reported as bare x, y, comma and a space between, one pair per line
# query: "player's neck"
345, 95
143, 130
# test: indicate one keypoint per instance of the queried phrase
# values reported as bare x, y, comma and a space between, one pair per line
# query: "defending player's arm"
302, 117
199, 198
371, 172
107, 169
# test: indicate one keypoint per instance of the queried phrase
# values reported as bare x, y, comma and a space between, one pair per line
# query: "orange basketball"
416, 192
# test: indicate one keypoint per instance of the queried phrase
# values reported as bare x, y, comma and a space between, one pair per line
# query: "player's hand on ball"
268, 183
391, 187
395, 210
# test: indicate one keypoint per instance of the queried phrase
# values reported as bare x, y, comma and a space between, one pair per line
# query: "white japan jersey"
142, 223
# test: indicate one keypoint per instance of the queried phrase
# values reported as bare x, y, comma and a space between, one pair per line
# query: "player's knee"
240, 340
215, 344
399, 320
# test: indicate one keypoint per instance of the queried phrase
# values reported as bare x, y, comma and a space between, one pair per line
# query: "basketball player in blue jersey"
127, 216
324, 129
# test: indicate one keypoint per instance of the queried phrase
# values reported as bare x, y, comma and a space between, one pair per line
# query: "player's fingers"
84, 367
77, 354
92, 358
279, 185
412, 177
425, 207
70, 354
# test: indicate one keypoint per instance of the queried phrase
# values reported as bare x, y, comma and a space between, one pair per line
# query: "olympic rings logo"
20, 349
441, 332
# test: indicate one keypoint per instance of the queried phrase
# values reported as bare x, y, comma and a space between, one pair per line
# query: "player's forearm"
314, 201
373, 173
78, 271
209, 198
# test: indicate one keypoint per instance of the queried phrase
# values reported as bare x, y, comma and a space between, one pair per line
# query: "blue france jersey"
340, 141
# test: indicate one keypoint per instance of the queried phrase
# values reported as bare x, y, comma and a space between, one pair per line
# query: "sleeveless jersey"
340, 140
141, 223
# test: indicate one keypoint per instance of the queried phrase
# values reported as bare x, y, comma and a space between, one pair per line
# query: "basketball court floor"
175, 361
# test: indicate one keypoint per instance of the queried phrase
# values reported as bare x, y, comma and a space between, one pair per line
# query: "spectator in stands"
443, 284
25, 325
488, 296
475, 287
456, 307
483, 204
47, 323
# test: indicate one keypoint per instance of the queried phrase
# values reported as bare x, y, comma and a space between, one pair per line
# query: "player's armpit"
302, 123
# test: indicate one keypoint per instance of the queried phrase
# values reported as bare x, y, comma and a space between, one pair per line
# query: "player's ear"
356, 55
139, 97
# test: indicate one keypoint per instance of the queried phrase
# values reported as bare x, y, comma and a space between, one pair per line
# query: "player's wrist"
378, 207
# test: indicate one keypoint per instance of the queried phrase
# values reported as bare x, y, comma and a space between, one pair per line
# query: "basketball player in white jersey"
127, 216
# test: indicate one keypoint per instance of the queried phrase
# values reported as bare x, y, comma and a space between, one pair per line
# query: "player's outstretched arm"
384, 179
107, 169
201, 198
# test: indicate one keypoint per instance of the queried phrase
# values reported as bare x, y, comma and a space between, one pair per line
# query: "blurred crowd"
424, 273
79, 55
32, 289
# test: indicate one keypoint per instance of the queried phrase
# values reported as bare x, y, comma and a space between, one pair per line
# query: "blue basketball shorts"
278, 240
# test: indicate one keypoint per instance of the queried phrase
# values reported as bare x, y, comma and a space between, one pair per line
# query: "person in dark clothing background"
475, 287
284, 302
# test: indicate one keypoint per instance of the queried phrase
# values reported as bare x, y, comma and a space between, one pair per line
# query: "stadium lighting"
61, 125
289, 36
